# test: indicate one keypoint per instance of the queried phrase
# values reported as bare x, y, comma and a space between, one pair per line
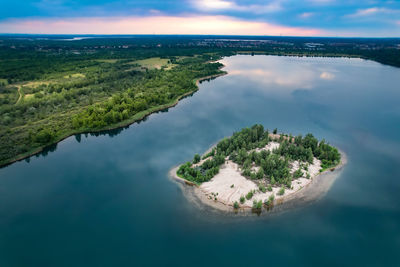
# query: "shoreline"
137, 117
313, 191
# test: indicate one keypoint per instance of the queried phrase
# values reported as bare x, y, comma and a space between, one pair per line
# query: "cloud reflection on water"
276, 74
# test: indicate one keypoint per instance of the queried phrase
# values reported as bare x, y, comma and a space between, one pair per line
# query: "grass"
3, 82
154, 63
107, 60
75, 75
36, 83
28, 96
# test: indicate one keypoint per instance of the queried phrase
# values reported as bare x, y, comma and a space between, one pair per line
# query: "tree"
249, 195
257, 205
260, 174
270, 200
196, 158
44, 136
281, 191
262, 188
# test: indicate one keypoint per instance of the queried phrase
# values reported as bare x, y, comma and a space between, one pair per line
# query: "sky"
342, 18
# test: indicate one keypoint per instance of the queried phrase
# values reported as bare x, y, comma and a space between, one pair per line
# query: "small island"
255, 169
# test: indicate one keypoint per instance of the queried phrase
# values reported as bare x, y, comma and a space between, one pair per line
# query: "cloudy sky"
365, 18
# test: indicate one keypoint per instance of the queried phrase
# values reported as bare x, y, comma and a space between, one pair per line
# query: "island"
255, 169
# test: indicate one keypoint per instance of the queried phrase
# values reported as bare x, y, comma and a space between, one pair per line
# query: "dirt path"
20, 94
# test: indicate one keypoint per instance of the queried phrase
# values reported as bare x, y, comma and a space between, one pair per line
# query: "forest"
56, 96
51, 88
273, 166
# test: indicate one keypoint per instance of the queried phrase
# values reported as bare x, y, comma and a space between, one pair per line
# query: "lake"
107, 200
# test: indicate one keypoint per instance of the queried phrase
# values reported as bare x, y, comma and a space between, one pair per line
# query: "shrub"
242, 199
44, 136
262, 188
232, 186
196, 159
269, 188
249, 195
260, 174
281, 191
257, 205
297, 174
236, 205
246, 172
270, 200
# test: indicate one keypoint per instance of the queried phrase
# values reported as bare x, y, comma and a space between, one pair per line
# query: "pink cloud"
373, 11
153, 25
306, 15
217, 5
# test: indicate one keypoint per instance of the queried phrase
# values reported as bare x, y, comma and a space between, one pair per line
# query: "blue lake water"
107, 200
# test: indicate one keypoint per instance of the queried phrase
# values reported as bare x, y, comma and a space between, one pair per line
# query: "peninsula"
255, 169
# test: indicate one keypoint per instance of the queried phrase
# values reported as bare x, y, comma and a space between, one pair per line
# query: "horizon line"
177, 34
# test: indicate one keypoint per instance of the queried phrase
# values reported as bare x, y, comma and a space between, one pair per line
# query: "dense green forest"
273, 166
51, 88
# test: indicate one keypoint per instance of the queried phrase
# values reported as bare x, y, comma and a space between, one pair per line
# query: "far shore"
137, 117
313, 190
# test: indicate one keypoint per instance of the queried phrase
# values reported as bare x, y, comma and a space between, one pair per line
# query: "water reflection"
278, 73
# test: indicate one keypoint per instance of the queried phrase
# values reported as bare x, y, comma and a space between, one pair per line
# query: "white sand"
220, 186
221, 183
270, 147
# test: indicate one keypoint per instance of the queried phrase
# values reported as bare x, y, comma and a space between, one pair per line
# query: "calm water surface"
107, 200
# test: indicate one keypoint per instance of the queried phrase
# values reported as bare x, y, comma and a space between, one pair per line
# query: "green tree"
249, 195
44, 136
196, 158
260, 174
281, 191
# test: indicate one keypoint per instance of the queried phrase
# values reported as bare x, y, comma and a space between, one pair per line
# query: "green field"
155, 63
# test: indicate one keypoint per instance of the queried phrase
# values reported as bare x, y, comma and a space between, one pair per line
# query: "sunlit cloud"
306, 15
217, 25
372, 11
213, 4
327, 76
321, 1
155, 12
292, 81
221, 5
